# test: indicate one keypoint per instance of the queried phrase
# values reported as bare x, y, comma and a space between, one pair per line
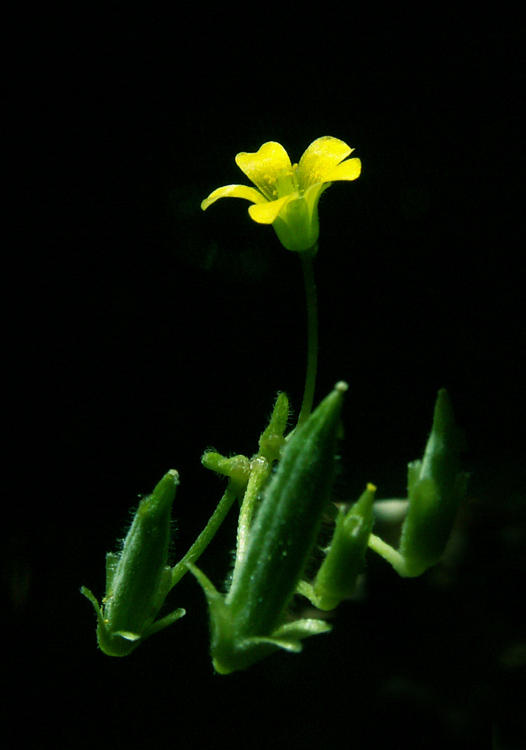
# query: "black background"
141, 331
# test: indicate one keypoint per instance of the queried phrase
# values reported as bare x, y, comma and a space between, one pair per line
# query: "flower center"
284, 183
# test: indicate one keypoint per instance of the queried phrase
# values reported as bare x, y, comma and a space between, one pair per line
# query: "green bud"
248, 623
138, 579
435, 488
272, 442
237, 468
345, 559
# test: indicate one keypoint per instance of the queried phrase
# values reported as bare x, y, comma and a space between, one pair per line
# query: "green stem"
259, 474
312, 337
206, 536
388, 553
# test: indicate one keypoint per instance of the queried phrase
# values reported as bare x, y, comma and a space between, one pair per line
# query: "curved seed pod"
247, 624
138, 579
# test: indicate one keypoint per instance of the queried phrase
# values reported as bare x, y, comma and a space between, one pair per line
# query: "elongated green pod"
435, 488
248, 624
138, 579
345, 559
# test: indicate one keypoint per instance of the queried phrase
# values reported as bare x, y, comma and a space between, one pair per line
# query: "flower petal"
347, 170
320, 159
263, 167
266, 213
234, 191
312, 196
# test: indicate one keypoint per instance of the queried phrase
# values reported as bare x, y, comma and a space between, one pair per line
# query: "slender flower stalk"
312, 337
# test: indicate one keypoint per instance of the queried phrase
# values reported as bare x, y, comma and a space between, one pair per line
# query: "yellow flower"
287, 194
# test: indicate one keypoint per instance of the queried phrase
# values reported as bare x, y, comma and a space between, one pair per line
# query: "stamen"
271, 191
287, 182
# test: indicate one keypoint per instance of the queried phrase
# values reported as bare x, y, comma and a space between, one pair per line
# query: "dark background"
140, 331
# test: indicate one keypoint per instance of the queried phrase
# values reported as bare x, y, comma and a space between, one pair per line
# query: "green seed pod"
247, 624
345, 559
138, 579
435, 489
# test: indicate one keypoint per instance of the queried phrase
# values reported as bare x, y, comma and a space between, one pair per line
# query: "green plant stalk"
312, 336
248, 477
205, 537
260, 471
389, 554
